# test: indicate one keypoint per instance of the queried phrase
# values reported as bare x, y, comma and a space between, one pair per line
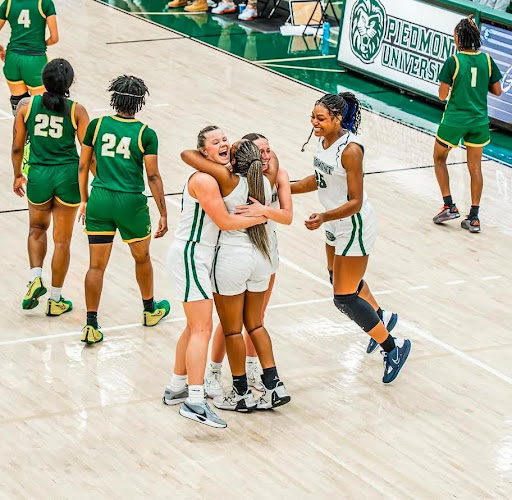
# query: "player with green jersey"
122, 146
54, 122
26, 57
466, 78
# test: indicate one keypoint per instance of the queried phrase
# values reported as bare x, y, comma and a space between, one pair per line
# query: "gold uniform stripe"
445, 142
35, 88
96, 130
141, 147
38, 204
29, 108
119, 119
40, 7
133, 240
489, 63
73, 120
67, 204
472, 145
8, 8
99, 233
456, 68
14, 83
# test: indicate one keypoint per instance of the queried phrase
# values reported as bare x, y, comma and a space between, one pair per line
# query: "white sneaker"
272, 398
254, 377
213, 383
248, 14
224, 8
236, 402
212, 3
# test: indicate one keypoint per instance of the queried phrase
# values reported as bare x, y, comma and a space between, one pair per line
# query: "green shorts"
25, 68
475, 136
56, 181
110, 210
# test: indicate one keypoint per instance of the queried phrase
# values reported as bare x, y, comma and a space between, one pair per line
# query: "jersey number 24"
111, 147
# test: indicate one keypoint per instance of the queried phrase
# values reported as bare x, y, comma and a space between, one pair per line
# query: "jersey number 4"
48, 126
320, 181
24, 18
110, 148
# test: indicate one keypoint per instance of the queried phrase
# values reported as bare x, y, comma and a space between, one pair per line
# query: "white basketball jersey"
274, 203
195, 225
331, 177
240, 196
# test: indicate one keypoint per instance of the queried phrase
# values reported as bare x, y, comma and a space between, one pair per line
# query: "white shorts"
191, 266
237, 269
354, 236
274, 252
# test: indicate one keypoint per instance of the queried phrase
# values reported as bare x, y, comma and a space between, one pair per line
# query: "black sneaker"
446, 213
395, 360
473, 225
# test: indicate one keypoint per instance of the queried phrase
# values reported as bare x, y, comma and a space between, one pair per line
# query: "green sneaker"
35, 290
91, 335
54, 308
26, 155
162, 309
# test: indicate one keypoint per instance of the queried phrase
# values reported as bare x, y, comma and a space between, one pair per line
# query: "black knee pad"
98, 239
358, 310
15, 99
330, 275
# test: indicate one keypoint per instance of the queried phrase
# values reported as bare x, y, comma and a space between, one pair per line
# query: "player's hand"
19, 185
314, 221
162, 227
81, 212
2, 53
255, 210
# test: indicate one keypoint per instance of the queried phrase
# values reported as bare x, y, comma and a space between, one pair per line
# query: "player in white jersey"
349, 220
190, 258
279, 211
241, 275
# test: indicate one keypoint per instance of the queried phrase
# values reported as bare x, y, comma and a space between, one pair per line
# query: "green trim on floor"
301, 59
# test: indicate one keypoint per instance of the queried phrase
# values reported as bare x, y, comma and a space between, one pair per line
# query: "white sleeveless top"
240, 196
195, 225
331, 177
274, 203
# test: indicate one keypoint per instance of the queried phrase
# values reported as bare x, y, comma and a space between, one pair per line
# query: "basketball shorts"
57, 181
475, 136
190, 264
110, 210
274, 252
238, 268
354, 236
25, 68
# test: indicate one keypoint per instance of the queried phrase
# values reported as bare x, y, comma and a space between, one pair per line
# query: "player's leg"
12, 73
64, 217
177, 390
275, 393
213, 375
445, 140
347, 276
230, 311
39, 221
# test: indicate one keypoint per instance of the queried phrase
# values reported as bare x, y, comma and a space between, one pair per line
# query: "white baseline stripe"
305, 58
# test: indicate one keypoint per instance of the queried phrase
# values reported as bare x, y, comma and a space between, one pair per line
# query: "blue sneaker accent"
390, 319
394, 361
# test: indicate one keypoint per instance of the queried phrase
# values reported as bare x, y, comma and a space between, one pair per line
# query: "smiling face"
324, 123
265, 151
216, 146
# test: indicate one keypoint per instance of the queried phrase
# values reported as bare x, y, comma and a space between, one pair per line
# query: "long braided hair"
57, 77
247, 163
128, 94
344, 106
468, 34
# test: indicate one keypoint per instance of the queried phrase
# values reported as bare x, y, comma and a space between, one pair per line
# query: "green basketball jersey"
52, 134
469, 74
120, 145
28, 24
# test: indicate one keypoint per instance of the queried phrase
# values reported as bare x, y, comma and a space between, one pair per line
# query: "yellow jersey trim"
99, 233
29, 109
133, 240
39, 204
15, 83
141, 147
456, 68
472, 145
73, 120
96, 130
74, 205
445, 142
120, 119
470, 53
489, 63
40, 87
40, 7
7, 10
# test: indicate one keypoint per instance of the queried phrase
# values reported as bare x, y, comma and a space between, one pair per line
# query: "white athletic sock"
56, 293
399, 342
215, 366
250, 360
178, 382
36, 272
195, 393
